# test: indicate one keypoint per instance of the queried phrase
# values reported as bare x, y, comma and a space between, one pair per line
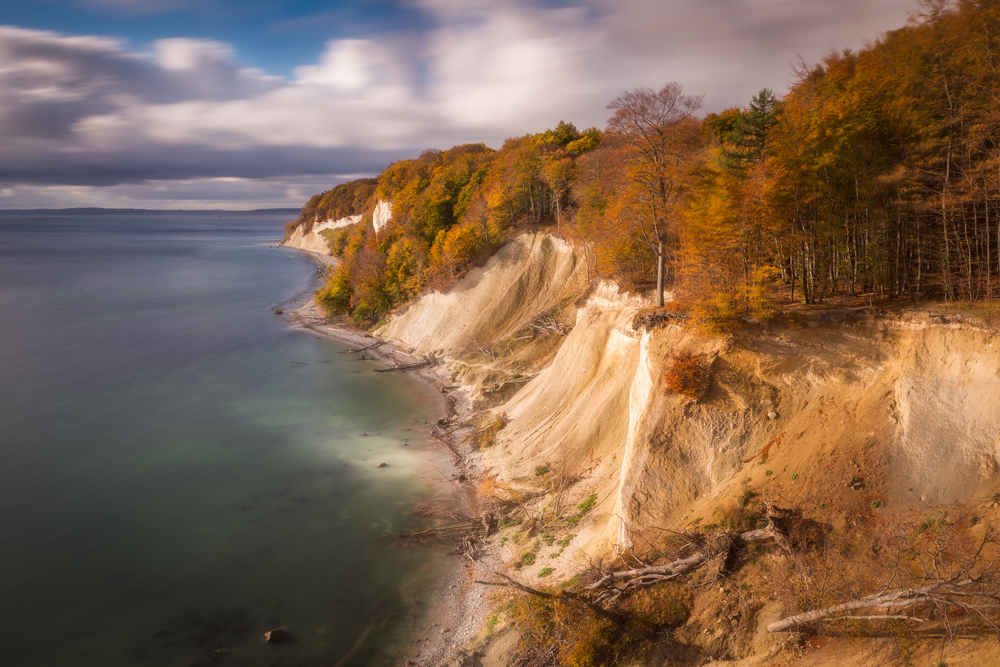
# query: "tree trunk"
659, 274
948, 290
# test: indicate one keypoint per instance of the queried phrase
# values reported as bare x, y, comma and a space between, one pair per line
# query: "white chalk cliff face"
382, 215
336, 224
907, 401
313, 240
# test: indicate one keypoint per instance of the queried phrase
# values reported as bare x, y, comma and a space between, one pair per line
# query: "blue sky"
260, 103
272, 35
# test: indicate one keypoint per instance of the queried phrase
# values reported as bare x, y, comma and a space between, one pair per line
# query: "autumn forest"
877, 174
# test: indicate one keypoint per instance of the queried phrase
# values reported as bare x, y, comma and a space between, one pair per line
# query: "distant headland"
133, 211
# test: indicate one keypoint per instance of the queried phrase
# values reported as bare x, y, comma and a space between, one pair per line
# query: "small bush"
559, 631
526, 559
583, 508
564, 542
687, 376
735, 517
668, 604
745, 496
485, 436
545, 571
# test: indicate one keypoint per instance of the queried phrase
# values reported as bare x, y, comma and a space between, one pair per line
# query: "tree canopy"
878, 173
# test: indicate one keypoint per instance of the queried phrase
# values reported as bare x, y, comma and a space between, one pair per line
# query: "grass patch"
583, 508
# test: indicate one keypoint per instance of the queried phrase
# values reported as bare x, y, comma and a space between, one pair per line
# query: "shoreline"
458, 609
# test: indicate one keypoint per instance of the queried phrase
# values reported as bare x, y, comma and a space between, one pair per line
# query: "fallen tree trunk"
672, 570
454, 531
404, 367
906, 597
445, 445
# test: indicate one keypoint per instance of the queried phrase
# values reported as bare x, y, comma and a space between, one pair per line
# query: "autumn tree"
662, 137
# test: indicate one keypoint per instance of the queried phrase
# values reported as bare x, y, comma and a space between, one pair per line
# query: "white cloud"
88, 110
224, 193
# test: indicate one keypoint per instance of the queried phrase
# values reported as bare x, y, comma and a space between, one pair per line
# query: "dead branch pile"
544, 324
719, 547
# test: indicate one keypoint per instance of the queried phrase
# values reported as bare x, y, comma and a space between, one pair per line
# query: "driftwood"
453, 531
458, 457
405, 367
373, 345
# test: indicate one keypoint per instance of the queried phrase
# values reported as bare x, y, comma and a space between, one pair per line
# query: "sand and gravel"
460, 608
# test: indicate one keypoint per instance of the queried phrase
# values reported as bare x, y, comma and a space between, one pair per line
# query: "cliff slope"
844, 414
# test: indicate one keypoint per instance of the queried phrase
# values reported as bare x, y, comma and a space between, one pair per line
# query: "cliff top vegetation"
875, 175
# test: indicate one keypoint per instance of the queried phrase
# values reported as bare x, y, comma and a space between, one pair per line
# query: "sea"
181, 470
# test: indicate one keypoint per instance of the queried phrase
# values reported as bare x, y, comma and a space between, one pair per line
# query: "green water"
180, 471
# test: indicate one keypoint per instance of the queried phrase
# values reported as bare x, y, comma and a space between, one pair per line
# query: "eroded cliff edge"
837, 413
911, 398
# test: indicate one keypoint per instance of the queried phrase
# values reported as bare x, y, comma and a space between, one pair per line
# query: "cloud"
89, 111
141, 6
225, 193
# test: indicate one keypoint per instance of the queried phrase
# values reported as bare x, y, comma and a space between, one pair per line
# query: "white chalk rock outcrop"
382, 215
531, 275
313, 240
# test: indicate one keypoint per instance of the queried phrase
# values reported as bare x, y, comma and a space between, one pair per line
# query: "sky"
243, 104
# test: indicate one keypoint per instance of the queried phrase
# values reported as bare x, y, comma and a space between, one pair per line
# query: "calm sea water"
179, 470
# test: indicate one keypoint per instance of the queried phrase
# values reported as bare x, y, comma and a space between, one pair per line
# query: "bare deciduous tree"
663, 137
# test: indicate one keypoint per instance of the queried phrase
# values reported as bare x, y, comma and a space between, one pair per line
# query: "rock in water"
274, 635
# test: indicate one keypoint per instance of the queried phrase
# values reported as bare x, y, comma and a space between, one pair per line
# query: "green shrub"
583, 508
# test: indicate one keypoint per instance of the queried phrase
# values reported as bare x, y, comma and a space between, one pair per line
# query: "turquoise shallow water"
179, 470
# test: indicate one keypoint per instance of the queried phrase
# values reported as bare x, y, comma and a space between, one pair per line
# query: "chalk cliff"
906, 401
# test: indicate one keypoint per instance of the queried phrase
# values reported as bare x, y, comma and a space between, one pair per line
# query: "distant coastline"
133, 211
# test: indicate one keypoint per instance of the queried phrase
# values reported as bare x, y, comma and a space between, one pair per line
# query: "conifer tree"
751, 134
